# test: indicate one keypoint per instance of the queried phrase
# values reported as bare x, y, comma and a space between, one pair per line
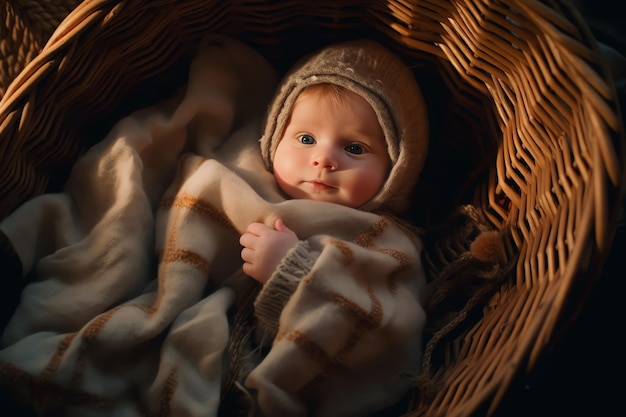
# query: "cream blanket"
138, 272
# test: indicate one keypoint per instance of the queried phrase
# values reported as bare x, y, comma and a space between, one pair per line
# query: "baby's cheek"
367, 186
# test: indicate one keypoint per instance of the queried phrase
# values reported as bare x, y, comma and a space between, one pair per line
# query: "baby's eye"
355, 149
307, 139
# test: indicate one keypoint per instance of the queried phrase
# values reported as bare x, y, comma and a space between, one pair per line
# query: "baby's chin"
330, 198
324, 196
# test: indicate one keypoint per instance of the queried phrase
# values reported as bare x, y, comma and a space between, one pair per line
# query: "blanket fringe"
466, 263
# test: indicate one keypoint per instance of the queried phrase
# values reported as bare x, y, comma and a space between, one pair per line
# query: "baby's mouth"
320, 186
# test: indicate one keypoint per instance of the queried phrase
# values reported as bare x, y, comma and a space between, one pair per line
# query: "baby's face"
333, 151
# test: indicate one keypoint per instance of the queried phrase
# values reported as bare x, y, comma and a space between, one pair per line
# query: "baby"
348, 126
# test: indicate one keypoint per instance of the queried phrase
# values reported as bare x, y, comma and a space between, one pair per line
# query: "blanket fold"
88, 335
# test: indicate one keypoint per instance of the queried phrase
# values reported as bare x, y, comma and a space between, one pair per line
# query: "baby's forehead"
328, 94
334, 98
326, 89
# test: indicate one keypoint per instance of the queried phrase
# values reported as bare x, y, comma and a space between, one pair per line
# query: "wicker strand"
25, 26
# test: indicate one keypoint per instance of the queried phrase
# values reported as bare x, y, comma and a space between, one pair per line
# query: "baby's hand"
264, 248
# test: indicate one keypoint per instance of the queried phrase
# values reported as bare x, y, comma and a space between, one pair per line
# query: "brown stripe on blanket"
345, 250
196, 205
365, 239
312, 349
366, 322
405, 263
405, 260
55, 396
168, 392
56, 359
186, 256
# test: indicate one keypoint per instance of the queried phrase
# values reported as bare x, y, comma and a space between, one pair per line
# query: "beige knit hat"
388, 85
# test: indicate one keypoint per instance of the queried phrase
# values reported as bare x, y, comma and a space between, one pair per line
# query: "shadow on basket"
516, 208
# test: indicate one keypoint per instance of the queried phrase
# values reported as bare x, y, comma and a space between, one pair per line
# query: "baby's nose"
325, 159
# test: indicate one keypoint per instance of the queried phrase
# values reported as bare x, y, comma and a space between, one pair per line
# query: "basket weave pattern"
25, 26
526, 128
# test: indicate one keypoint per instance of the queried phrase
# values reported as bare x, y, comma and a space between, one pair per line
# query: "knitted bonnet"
372, 71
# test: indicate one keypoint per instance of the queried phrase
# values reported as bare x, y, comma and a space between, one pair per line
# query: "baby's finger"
247, 255
279, 225
247, 240
256, 228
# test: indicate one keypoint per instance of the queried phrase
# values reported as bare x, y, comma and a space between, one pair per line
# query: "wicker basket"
526, 129
25, 26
